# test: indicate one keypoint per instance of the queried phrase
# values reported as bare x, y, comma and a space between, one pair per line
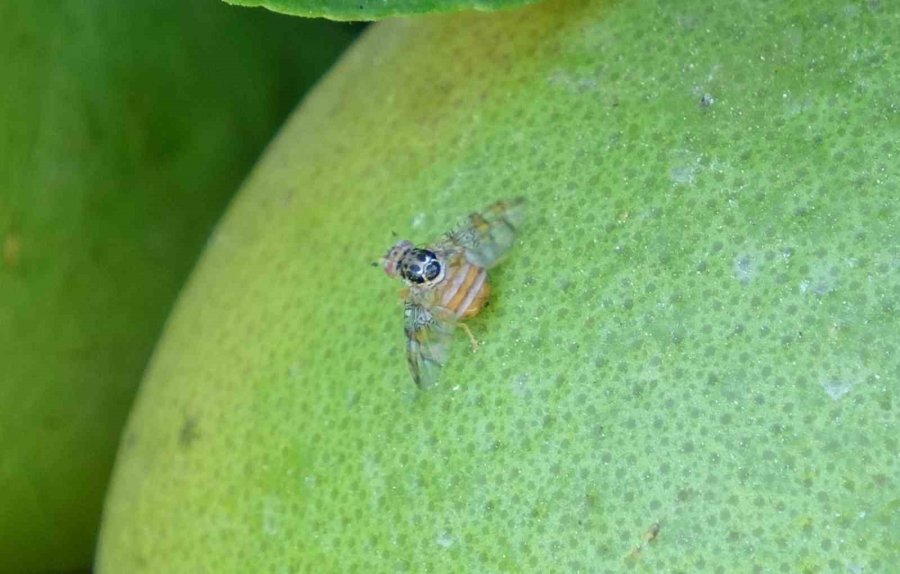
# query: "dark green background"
124, 129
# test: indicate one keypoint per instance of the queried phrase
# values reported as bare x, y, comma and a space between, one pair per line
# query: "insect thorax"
421, 266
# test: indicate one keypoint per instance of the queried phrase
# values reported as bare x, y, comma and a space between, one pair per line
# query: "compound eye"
412, 273
432, 270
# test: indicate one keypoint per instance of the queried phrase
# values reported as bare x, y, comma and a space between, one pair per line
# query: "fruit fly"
447, 281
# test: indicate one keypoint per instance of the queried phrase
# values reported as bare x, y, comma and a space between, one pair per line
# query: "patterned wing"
487, 236
428, 336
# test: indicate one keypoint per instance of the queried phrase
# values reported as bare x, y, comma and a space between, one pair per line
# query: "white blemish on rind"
445, 540
837, 388
744, 269
683, 175
271, 515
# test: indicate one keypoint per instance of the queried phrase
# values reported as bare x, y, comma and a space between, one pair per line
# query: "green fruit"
689, 363
124, 129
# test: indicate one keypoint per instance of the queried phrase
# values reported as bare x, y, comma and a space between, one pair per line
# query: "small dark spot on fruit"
12, 248
188, 434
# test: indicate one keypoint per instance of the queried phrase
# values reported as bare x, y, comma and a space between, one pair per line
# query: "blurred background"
125, 127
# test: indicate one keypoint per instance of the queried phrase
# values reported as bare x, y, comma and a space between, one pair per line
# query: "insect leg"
472, 340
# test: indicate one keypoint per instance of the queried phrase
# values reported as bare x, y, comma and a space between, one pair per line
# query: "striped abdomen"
464, 290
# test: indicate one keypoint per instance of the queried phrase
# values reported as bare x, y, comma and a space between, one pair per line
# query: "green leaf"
377, 9
124, 129
690, 360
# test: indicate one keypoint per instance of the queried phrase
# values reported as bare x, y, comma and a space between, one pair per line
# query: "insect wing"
487, 236
428, 337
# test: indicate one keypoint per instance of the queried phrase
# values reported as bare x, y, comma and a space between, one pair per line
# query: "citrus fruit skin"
124, 129
689, 360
